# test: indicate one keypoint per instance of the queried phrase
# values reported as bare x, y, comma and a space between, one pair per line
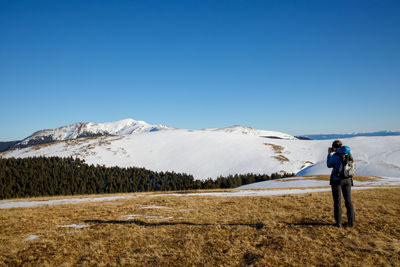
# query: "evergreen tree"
43, 176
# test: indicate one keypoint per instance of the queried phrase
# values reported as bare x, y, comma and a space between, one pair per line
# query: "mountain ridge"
121, 127
349, 135
87, 129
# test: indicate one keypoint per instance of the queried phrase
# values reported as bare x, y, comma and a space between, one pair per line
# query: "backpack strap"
350, 157
344, 158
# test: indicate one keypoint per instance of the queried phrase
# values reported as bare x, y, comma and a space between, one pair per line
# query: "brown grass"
102, 140
206, 231
360, 178
281, 158
306, 164
276, 148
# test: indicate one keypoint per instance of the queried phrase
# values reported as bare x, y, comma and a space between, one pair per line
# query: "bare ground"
205, 231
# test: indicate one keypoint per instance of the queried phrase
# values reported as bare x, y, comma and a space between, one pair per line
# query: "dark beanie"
337, 144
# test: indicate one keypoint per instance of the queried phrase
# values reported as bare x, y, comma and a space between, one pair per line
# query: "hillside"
212, 153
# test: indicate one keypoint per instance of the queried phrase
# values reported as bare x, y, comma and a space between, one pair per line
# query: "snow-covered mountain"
123, 127
215, 152
88, 129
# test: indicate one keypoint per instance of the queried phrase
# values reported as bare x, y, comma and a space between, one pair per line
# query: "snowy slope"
237, 129
378, 156
211, 153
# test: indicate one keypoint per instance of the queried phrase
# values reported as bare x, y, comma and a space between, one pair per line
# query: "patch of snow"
307, 182
134, 216
27, 204
385, 181
185, 209
250, 193
154, 207
77, 226
279, 183
31, 237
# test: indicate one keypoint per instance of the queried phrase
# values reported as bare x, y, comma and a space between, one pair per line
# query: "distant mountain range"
341, 136
4, 146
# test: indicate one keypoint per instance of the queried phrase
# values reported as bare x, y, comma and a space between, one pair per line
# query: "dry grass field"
205, 231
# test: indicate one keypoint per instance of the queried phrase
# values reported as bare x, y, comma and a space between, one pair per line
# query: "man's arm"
330, 159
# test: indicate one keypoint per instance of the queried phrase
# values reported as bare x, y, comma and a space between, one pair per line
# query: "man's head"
337, 144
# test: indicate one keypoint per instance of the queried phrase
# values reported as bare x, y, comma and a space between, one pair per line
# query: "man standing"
340, 183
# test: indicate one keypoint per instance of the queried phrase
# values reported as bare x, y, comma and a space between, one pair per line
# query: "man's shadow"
257, 226
305, 223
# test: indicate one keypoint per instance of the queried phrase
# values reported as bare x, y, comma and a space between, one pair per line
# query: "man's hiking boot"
348, 224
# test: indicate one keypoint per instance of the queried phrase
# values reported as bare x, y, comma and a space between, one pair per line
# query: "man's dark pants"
343, 186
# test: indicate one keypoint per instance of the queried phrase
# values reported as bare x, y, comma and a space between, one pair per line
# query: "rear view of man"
340, 183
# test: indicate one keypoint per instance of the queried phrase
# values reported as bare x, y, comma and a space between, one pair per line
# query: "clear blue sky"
299, 67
